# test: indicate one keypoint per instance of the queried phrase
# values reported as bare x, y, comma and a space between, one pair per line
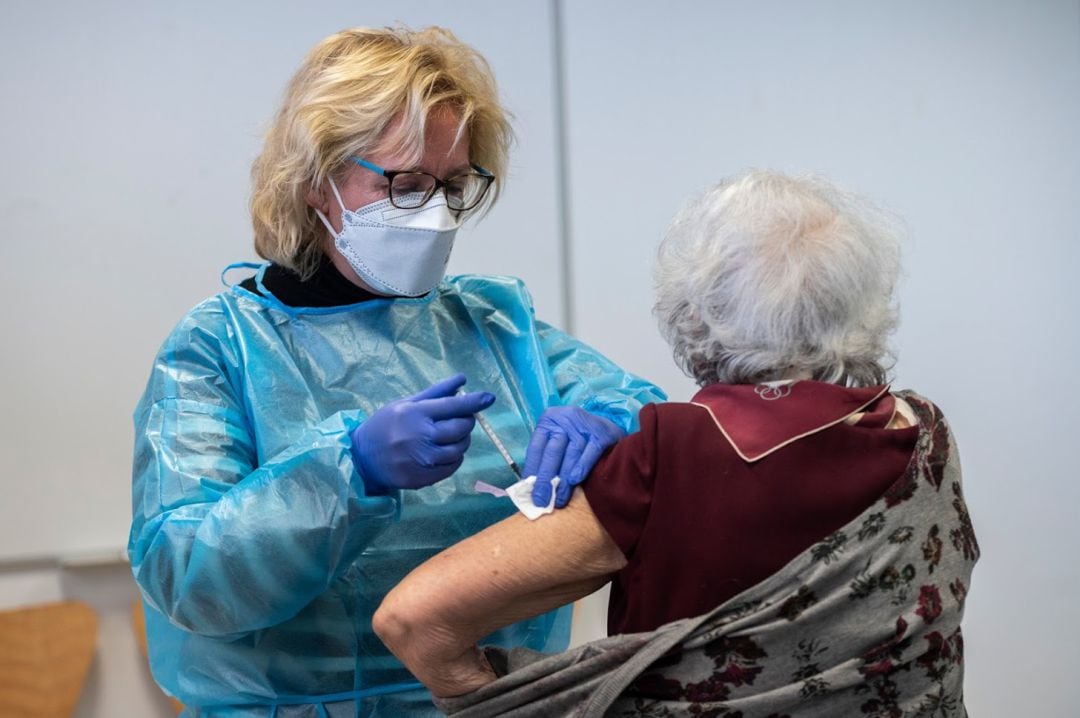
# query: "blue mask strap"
241, 265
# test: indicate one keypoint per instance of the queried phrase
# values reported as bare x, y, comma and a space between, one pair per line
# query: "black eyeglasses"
409, 189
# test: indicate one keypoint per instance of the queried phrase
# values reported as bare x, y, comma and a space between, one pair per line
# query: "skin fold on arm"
515, 569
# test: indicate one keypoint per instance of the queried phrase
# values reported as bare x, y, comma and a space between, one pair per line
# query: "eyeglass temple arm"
368, 165
379, 170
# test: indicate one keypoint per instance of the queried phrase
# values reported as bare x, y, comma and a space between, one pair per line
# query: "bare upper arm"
510, 571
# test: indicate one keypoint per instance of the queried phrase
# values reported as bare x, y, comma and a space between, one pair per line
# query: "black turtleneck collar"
326, 288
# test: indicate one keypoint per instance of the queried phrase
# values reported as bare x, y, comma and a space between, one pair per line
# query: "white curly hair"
766, 276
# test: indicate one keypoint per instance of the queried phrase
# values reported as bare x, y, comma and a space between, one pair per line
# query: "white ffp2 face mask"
401, 252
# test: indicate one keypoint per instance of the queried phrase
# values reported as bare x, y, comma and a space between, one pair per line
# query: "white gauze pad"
521, 494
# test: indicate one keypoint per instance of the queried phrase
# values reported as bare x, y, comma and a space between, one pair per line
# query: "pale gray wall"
130, 128
962, 117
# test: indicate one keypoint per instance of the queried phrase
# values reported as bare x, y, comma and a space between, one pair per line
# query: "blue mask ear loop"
240, 265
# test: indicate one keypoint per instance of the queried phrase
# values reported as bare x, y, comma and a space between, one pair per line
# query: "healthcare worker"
306, 437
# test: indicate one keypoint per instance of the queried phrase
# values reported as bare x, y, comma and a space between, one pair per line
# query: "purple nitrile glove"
414, 442
567, 443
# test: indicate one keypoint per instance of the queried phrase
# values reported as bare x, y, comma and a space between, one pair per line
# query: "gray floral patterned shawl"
864, 623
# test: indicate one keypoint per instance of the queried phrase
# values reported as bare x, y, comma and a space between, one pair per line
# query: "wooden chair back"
45, 654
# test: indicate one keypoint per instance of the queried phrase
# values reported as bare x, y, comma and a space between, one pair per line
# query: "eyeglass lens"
412, 189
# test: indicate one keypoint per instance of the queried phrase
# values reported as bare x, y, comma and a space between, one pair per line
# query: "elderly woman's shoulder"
674, 416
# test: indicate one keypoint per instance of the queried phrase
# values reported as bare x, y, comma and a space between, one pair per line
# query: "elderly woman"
301, 443
793, 541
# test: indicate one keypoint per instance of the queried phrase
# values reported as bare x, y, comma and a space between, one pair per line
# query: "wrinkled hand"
567, 442
414, 442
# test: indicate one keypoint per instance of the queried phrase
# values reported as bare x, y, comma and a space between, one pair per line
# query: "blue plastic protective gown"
260, 558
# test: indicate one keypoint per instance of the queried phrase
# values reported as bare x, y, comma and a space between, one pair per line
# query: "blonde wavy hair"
765, 275
343, 101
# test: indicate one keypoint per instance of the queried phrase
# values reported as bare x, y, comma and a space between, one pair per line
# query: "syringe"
486, 426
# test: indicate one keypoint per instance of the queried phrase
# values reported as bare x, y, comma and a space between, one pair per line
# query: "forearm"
218, 574
513, 570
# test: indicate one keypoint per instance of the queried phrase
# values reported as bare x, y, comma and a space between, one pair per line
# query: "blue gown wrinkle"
259, 556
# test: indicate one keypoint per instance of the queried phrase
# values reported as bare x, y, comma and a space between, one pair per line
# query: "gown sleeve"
220, 543
586, 378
